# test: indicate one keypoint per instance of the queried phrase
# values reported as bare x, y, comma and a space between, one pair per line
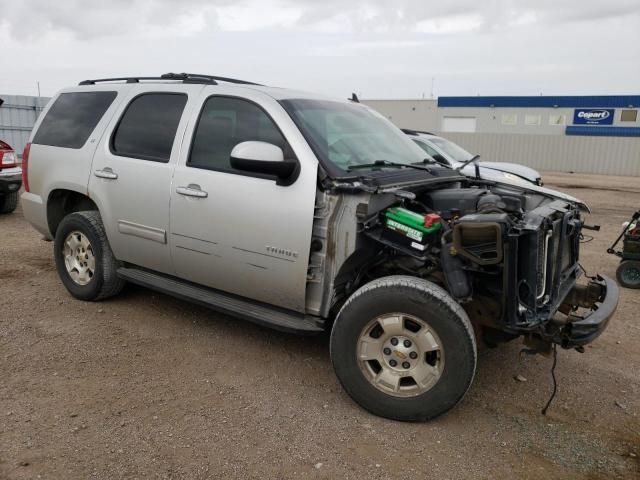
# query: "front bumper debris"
601, 297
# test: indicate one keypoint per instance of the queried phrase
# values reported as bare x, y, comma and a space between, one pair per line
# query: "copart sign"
593, 116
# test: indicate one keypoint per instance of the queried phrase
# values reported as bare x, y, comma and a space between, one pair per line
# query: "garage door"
459, 124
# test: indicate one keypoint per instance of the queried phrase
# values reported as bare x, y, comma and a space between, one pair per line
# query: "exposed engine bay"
507, 254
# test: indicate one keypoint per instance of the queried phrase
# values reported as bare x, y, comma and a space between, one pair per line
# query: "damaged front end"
541, 294
509, 255
587, 309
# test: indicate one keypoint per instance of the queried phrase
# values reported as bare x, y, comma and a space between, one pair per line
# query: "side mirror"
262, 157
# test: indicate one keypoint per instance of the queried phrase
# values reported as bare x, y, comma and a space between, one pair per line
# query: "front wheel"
403, 349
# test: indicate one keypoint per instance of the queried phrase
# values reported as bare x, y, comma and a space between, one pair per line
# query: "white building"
590, 134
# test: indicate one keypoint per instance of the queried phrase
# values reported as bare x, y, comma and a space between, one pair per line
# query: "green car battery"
410, 228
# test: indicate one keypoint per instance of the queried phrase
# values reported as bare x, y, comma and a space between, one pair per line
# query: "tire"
104, 281
9, 202
412, 301
628, 274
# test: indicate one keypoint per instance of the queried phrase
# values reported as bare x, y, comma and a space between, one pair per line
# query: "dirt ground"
147, 386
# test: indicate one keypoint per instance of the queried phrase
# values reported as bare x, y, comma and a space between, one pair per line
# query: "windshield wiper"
387, 163
434, 162
471, 160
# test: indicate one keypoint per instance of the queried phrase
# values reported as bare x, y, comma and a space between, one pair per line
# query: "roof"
210, 80
286, 93
572, 101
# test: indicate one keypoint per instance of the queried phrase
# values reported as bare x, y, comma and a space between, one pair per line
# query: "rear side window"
226, 122
72, 118
148, 126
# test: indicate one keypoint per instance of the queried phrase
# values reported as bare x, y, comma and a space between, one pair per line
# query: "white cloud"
378, 48
450, 24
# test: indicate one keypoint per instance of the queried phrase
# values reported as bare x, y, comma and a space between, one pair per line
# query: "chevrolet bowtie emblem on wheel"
400, 355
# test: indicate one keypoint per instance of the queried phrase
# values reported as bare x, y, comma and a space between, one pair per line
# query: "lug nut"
407, 343
386, 351
406, 364
394, 341
413, 355
393, 363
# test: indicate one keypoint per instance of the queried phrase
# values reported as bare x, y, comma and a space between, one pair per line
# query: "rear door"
238, 232
132, 170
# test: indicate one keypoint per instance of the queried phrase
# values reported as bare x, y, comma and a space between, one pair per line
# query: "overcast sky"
377, 48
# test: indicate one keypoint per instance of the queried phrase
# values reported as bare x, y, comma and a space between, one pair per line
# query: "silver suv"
308, 214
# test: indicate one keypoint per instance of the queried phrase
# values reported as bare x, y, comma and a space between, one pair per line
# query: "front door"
132, 170
238, 232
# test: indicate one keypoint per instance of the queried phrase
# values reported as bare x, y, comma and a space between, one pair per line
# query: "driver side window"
225, 122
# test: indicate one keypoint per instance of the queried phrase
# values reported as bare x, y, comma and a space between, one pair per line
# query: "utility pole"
433, 80
38, 82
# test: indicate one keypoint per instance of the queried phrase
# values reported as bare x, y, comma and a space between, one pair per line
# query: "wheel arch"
61, 202
347, 280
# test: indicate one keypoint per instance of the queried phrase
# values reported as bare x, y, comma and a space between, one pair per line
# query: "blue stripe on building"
603, 131
590, 101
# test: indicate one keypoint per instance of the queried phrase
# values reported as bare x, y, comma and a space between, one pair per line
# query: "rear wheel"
8, 202
84, 259
628, 274
403, 349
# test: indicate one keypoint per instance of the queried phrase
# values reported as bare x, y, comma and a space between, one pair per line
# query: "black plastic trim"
256, 312
184, 77
10, 185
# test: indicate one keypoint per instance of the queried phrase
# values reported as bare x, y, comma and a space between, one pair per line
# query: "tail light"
25, 167
7, 159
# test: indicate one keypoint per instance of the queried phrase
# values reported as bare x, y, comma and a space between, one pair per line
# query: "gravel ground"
147, 386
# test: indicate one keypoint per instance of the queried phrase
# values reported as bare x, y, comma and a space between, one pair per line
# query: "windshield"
350, 135
456, 152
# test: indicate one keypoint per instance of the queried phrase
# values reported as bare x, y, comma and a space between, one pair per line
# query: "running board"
261, 314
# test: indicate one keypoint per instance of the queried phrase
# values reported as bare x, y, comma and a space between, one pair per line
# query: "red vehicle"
10, 178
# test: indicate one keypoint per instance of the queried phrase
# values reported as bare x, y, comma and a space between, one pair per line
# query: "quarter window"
224, 123
148, 126
72, 118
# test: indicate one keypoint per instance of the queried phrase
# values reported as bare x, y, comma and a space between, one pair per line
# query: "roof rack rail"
187, 77
410, 131
184, 77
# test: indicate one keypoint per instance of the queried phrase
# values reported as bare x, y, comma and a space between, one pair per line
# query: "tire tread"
430, 292
111, 283
9, 202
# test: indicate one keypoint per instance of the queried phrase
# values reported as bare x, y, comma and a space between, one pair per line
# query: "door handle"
107, 173
192, 190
